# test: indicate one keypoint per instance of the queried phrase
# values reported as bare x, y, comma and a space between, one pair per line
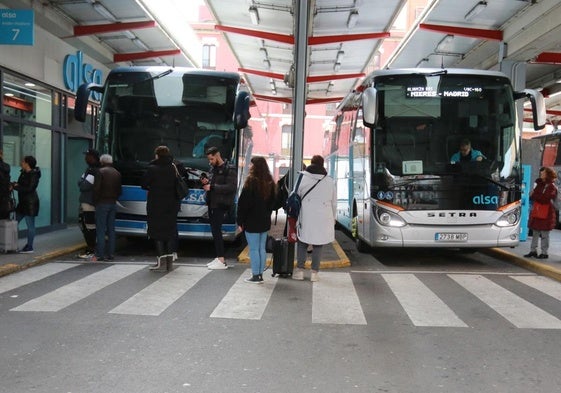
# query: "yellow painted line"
537, 267
9, 268
343, 260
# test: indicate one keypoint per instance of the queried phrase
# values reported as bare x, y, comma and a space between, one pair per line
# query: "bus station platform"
55, 244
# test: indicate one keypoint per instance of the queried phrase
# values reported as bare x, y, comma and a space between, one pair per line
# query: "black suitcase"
283, 258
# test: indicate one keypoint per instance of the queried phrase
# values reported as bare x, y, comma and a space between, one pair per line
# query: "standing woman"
254, 214
316, 223
28, 200
162, 206
543, 193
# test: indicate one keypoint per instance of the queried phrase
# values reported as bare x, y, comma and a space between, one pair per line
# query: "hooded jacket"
28, 200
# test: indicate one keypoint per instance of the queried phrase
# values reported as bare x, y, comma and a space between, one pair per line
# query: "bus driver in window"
466, 153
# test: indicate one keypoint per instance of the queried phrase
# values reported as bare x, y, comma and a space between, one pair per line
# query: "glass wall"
26, 119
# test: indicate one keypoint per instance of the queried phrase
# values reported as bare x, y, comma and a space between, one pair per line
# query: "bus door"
360, 177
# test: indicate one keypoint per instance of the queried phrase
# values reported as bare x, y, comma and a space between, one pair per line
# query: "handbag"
181, 188
540, 210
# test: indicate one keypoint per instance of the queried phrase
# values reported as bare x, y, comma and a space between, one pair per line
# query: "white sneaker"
314, 276
298, 274
217, 265
213, 261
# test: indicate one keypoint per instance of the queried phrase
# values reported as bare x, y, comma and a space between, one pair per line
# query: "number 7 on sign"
16, 33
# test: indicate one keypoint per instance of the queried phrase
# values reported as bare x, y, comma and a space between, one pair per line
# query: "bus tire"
361, 245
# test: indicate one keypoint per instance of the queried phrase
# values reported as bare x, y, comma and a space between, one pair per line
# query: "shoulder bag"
181, 188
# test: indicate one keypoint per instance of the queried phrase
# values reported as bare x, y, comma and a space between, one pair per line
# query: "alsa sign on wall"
75, 73
16, 27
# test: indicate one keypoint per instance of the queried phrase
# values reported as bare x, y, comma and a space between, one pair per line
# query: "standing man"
107, 189
220, 190
87, 208
4, 188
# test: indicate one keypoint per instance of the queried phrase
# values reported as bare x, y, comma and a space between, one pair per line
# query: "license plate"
451, 237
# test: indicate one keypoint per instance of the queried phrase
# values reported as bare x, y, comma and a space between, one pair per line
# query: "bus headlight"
509, 219
388, 218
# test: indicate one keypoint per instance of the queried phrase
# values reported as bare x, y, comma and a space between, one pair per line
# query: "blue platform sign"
16, 27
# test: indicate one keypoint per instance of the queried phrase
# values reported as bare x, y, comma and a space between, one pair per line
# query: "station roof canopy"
344, 37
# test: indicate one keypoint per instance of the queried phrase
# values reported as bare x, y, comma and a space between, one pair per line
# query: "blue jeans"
257, 253
105, 224
30, 222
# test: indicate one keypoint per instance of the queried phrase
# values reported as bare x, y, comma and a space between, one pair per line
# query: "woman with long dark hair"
28, 200
162, 206
254, 214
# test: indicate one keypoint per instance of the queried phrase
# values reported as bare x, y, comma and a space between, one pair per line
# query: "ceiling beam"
112, 27
119, 57
486, 34
548, 57
284, 38
325, 78
331, 39
267, 74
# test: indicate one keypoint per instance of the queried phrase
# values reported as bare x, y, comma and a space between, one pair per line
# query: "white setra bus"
187, 110
390, 153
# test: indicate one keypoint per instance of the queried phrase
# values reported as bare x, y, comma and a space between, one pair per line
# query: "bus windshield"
186, 111
423, 120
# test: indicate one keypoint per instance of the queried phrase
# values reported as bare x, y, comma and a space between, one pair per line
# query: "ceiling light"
254, 15
336, 67
443, 44
476, 10
101, 10
339, 57
353, 18
8, 94
140, 44
29, 84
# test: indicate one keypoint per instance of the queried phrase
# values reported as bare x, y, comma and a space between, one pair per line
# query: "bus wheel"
361, 246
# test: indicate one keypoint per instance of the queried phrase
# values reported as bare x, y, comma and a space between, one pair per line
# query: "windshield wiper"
158, 76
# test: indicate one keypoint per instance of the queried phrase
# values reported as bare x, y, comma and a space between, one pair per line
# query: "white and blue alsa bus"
187, 110
391, 150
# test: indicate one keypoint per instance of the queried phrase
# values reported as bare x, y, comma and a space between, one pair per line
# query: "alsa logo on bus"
75, 73
485, 200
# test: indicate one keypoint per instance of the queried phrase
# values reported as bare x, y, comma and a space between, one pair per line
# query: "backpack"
294, 201
282, 193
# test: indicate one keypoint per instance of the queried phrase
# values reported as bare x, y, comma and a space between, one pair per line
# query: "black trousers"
216, 217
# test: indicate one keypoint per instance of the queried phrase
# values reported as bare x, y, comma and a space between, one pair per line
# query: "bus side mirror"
82, 96
369, 107
538, 107
241, 110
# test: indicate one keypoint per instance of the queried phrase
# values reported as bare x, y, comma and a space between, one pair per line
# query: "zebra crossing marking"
28, 276
516, 310
245, 300
422, 306
78, 290
542, 284
157, 297
335, 301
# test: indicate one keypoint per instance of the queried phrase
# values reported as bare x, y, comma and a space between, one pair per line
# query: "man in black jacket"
5, 191
220, 190
87, 208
